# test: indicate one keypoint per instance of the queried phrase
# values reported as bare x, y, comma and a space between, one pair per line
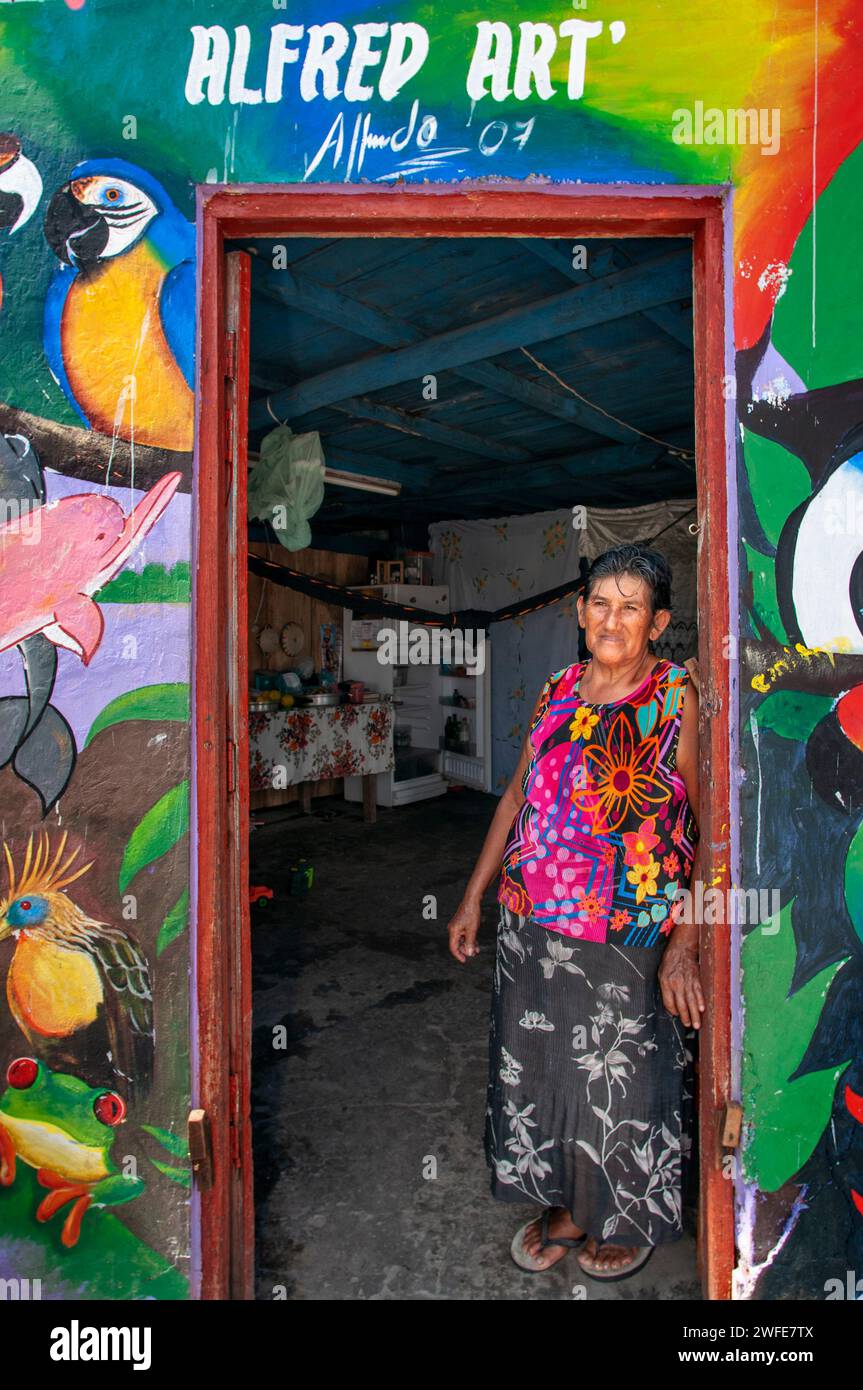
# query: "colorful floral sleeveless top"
605, 839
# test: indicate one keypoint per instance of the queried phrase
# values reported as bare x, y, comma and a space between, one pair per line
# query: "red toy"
259, 895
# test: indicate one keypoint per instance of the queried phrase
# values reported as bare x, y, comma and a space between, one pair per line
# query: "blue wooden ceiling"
346, 332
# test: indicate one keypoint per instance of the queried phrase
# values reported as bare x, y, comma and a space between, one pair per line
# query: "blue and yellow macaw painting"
120, 310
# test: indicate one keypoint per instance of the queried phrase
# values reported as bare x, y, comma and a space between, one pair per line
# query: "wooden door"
236, 340
221, 1039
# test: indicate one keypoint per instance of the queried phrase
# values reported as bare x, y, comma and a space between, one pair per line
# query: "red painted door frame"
221, 752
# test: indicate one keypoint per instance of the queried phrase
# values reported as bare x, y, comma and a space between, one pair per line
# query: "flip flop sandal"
528, 1262
638, 1263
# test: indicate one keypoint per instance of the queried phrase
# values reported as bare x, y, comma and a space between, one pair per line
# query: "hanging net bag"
286, 487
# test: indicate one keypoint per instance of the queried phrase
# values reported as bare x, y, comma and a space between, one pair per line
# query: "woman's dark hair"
641, 563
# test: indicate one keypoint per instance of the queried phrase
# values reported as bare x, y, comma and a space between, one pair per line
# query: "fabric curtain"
608, 526
490, 563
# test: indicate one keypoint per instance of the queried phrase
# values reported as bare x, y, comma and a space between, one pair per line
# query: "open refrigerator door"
465, 736
442, 713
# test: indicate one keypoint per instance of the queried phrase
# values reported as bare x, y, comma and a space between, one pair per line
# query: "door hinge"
732, 1123
230, 368
201, 1147
234, 1105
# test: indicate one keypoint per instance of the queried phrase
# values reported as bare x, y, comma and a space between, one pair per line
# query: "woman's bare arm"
678, 975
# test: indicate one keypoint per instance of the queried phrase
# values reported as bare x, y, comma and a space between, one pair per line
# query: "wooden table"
296, 747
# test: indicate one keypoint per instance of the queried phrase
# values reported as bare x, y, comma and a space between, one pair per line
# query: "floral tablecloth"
309, 745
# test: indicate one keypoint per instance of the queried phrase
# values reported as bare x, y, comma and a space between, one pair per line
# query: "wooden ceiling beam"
405, 423
610, 460
548, 400
618, 295
669, 321
335, 307
676, 323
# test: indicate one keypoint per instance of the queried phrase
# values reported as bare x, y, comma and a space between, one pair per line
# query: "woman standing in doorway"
597, 833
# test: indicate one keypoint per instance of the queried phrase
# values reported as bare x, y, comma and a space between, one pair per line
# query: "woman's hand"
463, 929
680, 982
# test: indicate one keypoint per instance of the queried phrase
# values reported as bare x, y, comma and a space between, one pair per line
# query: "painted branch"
784, 668
86, 454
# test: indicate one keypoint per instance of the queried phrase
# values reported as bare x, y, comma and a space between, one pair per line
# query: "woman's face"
618, 621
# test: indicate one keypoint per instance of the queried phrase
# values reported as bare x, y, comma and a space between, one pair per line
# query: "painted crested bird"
20, 187
120, 309
69, 972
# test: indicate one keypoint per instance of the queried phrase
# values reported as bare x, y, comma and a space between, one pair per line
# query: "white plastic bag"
286, 487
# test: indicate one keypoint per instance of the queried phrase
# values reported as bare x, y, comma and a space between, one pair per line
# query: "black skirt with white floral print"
590, 1084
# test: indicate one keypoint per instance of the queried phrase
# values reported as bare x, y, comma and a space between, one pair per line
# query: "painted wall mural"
99, 162
801, 432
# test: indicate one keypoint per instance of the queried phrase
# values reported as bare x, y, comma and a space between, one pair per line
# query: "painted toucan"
120, 310
20, 187
819, 588
819, 556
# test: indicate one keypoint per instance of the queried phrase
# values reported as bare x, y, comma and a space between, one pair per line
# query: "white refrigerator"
425, 695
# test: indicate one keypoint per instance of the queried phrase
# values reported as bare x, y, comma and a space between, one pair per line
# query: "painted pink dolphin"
54, 561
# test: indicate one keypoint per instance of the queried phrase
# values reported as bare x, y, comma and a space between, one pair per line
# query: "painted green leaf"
854, 882
174, 1143
175, 922
157, 832
793, 713
764, 599
147, 702
785, 1119
833, 351
778, 481
178, 1175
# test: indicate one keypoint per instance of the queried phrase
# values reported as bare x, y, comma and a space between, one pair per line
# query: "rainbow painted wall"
111, 116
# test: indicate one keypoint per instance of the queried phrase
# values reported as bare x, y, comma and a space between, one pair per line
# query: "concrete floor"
385, 1068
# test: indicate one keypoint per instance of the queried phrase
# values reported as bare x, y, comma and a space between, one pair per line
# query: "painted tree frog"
63, 1128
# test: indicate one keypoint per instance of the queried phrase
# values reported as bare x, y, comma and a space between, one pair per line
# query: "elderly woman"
596, 972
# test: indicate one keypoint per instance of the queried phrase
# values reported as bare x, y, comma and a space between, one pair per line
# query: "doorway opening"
470, 370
